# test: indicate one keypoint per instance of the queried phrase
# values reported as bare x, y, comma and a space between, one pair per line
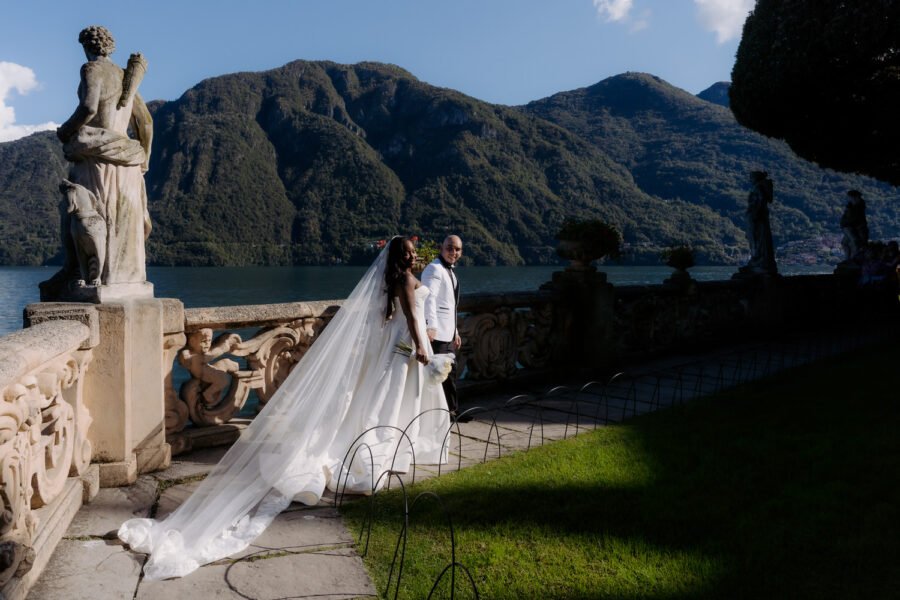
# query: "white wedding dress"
351, 382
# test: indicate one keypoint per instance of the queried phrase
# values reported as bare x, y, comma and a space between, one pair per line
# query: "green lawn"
787, 488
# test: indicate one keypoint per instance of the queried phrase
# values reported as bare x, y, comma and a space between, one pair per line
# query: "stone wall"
658, 320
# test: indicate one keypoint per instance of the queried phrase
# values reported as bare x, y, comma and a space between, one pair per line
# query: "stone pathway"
307, 552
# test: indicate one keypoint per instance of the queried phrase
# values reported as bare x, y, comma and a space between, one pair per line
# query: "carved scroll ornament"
43, 439
220, 385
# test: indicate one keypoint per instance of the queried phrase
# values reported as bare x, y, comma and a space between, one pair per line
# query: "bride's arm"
407, 304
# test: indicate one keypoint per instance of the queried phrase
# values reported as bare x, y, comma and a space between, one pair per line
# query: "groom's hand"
430, 332
457, 342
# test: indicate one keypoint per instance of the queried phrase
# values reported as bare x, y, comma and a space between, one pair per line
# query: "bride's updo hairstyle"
394, 270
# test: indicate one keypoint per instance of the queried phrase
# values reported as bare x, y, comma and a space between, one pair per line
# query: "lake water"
223, 286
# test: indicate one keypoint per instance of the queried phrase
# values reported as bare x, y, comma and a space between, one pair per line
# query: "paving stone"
95, 569
513, 440
172, 498
192, 464
112, 507
332, 575
299, 528
207, 582
519, 421
475, 429
471, 447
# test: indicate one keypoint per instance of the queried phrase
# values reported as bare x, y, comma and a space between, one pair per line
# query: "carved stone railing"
223, 367
578, 324
228, 353
43, 428
505, 334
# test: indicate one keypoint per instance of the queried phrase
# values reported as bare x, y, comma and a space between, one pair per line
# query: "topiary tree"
585, 241
824, 75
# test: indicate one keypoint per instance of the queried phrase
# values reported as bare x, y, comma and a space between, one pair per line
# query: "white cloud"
641, 22
613, 10
20, 79
723, 17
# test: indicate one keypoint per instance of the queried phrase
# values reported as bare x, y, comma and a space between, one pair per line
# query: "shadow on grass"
786, 488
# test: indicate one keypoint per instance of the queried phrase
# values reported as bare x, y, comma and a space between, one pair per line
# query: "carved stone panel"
43, 439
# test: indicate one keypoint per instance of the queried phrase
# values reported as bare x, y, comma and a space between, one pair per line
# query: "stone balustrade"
505, 335
222, 368
43, 431
229, 353
219, 361
219, 386
578, 321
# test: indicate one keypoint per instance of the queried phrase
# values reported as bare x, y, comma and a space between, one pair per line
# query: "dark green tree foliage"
824, 75
30, 172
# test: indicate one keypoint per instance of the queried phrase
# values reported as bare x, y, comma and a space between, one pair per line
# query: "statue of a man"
854, 225
109, 164
759, 233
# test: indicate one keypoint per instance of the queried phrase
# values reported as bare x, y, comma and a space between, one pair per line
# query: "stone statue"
207, 380
87, 228
759, 234
109, 164
854, 226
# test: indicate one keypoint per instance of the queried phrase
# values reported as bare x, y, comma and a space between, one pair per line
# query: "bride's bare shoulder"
412, 280
405, 283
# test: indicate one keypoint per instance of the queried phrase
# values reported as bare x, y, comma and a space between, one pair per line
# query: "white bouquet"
438, 367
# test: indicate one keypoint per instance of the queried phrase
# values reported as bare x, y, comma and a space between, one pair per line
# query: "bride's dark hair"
394, 270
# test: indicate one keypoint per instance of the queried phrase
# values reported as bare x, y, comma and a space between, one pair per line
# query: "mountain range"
314, 162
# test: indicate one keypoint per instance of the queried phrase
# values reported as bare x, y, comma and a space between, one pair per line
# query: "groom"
440, 311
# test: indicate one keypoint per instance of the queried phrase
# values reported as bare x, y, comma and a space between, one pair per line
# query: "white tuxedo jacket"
440, 305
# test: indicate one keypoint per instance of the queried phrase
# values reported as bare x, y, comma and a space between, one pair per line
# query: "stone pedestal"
57, 289
849, 270
585, 315
125, 392
748, 272
116, 292
680, 279
124, 389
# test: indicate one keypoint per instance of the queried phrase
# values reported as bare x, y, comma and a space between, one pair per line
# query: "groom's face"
451, 249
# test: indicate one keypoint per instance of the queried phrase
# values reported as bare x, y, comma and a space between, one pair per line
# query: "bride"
358, 405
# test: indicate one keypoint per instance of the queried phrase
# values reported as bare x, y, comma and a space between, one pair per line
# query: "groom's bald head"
451, 249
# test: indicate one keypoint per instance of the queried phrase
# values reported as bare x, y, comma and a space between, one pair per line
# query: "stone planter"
679, 278
578, 254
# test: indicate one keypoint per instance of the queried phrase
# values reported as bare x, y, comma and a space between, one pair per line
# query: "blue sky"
504, 51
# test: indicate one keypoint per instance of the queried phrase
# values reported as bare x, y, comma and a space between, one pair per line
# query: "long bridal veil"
291, 447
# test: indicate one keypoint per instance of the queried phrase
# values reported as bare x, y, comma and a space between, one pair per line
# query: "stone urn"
681, 259
583, 242
576, 252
